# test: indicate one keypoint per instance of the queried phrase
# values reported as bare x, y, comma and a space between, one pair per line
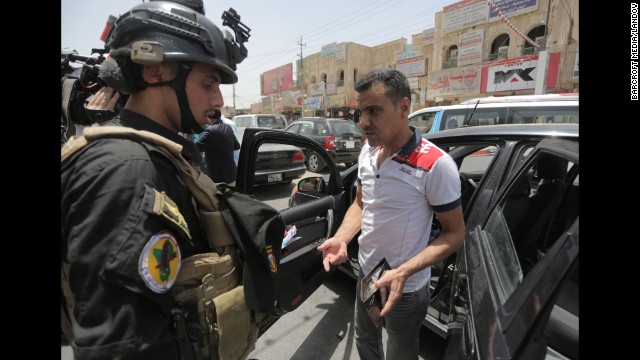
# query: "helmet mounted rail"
169, 31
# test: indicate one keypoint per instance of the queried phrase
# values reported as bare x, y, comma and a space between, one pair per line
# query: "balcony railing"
450, 64
497, 56
531, 50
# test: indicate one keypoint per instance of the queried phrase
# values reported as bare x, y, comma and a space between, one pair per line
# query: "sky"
277, 29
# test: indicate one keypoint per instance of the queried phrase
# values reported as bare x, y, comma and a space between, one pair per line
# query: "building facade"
476, 48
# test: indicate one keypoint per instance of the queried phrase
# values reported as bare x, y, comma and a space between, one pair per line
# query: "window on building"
537, 35
452, 57
499, 47
355, 76
340, 78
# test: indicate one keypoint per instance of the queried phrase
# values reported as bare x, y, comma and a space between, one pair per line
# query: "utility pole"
302, 66
234, 99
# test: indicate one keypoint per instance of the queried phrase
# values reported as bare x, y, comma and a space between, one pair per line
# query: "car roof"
321, 119
512, 100
523, 98
565, 130
259, 115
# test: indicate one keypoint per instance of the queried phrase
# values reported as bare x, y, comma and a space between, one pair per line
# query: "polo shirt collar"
413, 142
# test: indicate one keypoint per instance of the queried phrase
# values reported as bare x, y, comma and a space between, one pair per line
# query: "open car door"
301, 271
517, 292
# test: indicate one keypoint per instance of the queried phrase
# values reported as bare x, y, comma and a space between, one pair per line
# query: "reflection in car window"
478, 161
423, 122
543, 115
540, 205
502, 252
482, 118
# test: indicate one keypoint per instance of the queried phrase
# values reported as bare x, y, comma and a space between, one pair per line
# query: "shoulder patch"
165, 207
159, 262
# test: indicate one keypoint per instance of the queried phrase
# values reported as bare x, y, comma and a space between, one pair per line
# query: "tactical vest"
208, 285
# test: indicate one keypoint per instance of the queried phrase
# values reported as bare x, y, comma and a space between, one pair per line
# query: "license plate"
349, 144
274, 177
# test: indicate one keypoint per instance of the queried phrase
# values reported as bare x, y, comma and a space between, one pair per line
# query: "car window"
540, 205
543, 115
243, 121
482, 118
423, 122
503, 252
280, 123
345, 127
306, 129
478, 161
320, 129
293, 128
448, 119
270, 122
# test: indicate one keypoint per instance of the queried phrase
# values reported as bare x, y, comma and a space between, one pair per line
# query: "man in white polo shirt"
403, 180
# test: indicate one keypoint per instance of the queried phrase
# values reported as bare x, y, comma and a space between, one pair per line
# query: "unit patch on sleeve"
160, 262
165, 207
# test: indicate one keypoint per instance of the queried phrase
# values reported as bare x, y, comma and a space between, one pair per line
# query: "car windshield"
345, 127
271, 122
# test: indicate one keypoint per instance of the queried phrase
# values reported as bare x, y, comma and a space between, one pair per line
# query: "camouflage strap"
200, 185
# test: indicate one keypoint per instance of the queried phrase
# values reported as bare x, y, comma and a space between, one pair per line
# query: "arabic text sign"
461, 80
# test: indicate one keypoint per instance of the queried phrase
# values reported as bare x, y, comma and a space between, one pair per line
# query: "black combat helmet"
159, 31
183, 34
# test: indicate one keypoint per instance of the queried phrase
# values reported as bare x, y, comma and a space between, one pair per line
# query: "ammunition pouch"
210, 318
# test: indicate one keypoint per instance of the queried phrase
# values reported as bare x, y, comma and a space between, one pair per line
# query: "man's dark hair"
395, 83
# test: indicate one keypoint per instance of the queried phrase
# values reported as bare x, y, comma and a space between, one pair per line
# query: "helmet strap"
188, 123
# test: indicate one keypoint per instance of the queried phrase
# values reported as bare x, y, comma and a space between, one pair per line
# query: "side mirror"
311, 184
308, 189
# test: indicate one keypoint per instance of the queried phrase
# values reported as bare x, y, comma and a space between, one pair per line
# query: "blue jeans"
402, 324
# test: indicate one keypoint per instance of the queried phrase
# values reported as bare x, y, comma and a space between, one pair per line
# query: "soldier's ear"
153, 73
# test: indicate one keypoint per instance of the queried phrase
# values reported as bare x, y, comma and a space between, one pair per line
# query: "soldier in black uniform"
127, 217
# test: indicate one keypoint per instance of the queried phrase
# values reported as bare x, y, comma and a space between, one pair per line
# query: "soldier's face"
203, 92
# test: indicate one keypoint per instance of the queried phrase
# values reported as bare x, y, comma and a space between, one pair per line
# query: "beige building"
473, 50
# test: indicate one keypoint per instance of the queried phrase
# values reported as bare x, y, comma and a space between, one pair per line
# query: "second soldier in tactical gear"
127, 218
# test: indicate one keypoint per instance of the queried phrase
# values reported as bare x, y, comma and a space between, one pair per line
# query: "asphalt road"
320, 329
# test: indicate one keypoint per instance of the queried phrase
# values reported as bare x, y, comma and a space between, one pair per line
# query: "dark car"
341, 138
276, 163
511, 291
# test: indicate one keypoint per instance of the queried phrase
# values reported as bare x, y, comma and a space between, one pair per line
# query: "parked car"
276, 163
341, 138
511, 290
270, 121
492, 110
